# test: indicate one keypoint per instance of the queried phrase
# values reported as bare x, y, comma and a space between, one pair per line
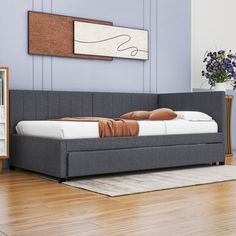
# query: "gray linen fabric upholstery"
116, 104
212, 103
112, 161
70, 158
42, 155
143, 141
43, 105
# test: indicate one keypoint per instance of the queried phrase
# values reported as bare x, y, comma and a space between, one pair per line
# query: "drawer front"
113, 161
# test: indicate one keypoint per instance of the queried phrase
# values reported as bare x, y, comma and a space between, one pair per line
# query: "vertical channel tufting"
76, 105
29, 105
53, 105
116, 104
146, 100
16, 108
81, 104
136, 102
41, 105
64, 104
86, 102
102, 104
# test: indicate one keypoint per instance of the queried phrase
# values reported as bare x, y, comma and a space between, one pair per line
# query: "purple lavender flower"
221, 52
230, 69
207, 75
209, 54
226, 61
220, 67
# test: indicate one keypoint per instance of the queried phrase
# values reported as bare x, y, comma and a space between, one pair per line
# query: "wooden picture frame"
53, 35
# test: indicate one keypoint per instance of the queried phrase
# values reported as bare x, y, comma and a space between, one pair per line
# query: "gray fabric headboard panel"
43, 105
212, 103
116, 104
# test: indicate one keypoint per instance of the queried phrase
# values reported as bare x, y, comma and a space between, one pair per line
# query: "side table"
228, 146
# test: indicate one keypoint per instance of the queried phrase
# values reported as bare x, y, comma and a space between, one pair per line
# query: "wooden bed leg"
60, 180
214, 163
221, 163
12, 167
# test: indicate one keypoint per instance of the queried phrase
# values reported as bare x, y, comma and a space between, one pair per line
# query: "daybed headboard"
43, 105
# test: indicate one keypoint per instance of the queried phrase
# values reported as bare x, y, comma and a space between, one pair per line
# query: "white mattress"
79, 130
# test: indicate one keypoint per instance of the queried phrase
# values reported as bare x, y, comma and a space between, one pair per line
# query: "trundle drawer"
113, 161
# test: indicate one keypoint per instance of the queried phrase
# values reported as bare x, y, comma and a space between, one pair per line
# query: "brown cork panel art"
53, 35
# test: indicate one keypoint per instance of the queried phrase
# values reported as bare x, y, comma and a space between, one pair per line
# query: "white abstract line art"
103, 40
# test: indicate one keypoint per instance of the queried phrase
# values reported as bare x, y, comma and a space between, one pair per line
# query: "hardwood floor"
32, 206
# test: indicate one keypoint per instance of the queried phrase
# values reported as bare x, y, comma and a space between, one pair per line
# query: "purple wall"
168, 70
173, 45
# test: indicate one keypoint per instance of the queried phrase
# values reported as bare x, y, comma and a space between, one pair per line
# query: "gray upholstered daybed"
81, 157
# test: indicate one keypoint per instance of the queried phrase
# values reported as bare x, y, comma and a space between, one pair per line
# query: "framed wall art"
110, 41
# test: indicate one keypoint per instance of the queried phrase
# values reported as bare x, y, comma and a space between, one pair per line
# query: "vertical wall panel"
117, 75
47, 60
13, 42
153, 47
147, 64
168, 69
37, 60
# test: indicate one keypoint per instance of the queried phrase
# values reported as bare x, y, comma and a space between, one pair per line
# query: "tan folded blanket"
110, 127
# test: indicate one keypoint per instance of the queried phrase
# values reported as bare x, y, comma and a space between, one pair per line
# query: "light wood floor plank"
30, 205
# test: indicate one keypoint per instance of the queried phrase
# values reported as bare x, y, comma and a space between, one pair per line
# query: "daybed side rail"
212, 103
